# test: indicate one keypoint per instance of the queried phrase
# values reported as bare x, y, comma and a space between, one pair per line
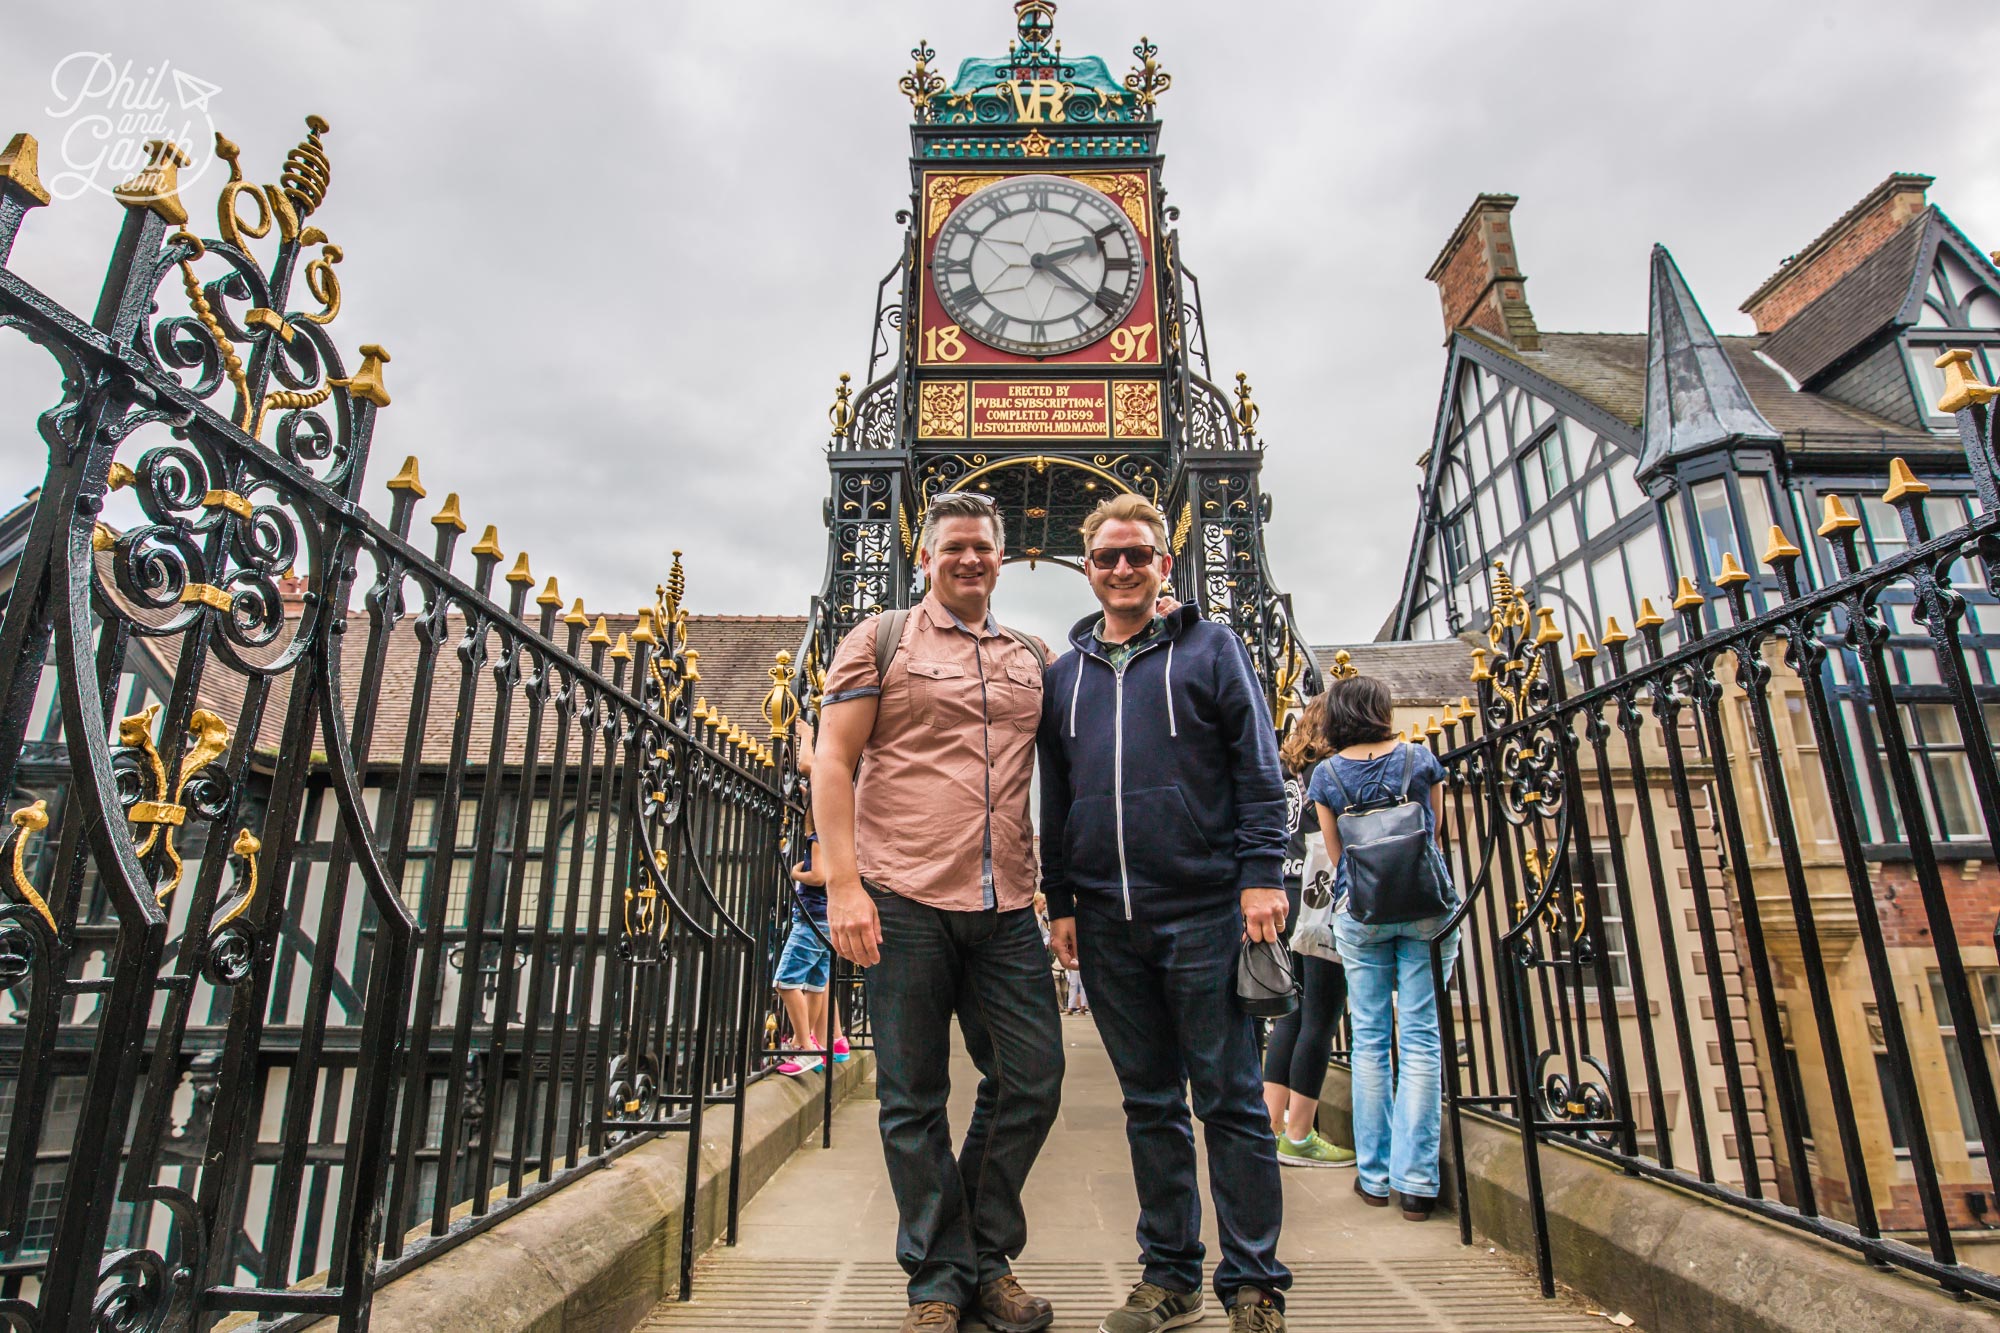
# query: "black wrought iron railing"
353, 898
1689, 947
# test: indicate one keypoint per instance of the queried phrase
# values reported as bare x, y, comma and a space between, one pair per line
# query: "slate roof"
1609, 369
1416, 672
1695, 400
1855, 309
736, 657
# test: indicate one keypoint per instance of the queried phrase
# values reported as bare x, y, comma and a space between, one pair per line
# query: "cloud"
620, 254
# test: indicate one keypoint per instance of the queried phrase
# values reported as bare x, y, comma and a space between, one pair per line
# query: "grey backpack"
1394, 870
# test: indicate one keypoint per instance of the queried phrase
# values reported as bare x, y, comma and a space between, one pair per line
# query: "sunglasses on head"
977, 497
1138, 557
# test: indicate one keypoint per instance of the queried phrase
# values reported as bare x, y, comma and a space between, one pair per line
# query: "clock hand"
1069, 251
1041, 265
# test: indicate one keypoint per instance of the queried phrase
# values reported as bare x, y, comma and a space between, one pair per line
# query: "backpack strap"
1028, 641
1333, 776
1409, 767
888, 638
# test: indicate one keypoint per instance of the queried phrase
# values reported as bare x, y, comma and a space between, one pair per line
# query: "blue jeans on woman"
1389, 989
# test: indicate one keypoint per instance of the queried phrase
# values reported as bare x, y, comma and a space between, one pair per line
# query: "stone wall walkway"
817, 1249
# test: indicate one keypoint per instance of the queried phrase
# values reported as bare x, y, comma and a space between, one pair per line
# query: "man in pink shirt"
931, 878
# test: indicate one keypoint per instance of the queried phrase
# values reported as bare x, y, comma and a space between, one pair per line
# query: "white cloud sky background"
619, 254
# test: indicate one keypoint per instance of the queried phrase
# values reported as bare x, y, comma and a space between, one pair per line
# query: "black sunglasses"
1139, 557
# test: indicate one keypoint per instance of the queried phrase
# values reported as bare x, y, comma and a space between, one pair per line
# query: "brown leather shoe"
1004, 1304
1372, 1200
1416, 1207
930, 1317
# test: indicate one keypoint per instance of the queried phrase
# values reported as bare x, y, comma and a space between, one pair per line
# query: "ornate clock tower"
1040, 340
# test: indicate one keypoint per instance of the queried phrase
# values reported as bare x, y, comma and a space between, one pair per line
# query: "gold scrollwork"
246, 846
941, 193
1182, 526
1343, 667
921, 84
30, 819
164, 817
1129, 189
1515, 667
1147, 80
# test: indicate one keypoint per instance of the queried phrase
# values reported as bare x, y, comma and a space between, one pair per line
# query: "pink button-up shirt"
941, 797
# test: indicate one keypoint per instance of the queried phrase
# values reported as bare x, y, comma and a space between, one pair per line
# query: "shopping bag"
1312, 935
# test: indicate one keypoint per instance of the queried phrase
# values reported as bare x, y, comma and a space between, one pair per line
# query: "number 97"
1132, 344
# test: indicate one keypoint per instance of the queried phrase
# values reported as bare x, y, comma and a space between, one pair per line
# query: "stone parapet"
1673, 1261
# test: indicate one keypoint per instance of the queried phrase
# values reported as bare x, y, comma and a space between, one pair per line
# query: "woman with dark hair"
1301, 1042
1388, 965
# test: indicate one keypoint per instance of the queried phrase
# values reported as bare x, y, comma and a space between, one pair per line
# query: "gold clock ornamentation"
941, 410
1135, 409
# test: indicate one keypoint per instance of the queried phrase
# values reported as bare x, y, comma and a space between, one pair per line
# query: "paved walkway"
817, 1251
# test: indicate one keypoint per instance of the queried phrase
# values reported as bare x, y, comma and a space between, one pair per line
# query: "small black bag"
1395, 872
1267, 985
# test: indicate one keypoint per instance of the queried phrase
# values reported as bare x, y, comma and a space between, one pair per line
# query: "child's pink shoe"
801, 1064
840, 1051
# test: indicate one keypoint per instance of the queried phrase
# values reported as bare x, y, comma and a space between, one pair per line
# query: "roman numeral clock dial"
1038, 265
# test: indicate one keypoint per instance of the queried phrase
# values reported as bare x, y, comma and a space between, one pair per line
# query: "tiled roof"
1856, 308
1417, 673
1609, 369
736, 658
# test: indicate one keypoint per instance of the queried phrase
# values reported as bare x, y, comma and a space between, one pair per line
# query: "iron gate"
352, 897
1676, 826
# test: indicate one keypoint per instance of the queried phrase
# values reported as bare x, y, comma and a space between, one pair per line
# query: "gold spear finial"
406, 480
1961, 384
1902, 482
18, 168
158, 184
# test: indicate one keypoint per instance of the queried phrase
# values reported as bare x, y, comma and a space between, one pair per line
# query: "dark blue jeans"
960, 1221
1164, 997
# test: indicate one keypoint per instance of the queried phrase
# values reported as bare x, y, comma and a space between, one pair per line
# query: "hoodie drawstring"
1172, 730
1072, 697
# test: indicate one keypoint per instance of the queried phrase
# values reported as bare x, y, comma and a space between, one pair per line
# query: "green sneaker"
1149, 1308
1315, 1151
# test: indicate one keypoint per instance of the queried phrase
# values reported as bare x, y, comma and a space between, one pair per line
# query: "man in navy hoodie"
1163, 841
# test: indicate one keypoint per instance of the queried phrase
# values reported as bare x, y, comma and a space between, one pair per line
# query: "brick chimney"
1479, 278
1837, 251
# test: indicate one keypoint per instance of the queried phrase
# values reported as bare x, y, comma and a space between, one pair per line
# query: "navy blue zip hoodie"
1161, 791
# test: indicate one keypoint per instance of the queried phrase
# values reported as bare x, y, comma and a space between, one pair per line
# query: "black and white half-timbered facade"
1600, 468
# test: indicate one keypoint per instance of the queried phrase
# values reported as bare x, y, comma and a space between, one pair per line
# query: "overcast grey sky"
620, 253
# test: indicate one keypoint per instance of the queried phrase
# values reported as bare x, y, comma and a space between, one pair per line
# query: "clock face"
1038, 265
